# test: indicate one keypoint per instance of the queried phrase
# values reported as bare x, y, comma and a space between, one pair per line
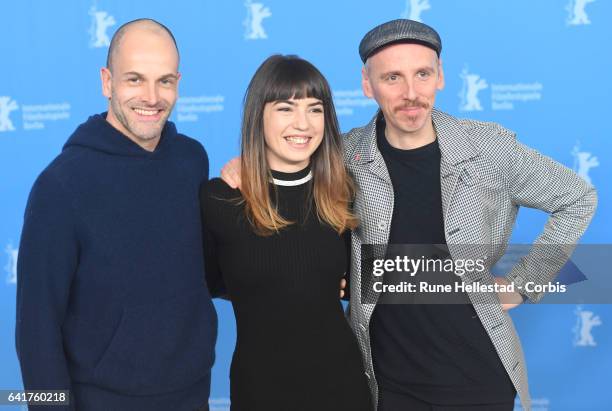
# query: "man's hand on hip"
508, 300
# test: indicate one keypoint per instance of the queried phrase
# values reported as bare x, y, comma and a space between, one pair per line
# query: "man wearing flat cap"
425, 177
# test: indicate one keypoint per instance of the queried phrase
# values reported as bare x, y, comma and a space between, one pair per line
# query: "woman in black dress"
277, 249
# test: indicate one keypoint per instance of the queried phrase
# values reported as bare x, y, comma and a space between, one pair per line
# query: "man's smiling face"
142, 84
404, 79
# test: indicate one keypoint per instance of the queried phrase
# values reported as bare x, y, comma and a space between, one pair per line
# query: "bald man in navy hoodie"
112, 303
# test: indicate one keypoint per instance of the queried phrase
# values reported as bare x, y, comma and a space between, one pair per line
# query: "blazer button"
362, 327
382, 225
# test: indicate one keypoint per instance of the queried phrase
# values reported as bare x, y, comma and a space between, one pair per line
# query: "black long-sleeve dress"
295, 350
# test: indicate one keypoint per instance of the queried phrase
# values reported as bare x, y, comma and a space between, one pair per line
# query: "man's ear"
365, 83
440, 85
106, 77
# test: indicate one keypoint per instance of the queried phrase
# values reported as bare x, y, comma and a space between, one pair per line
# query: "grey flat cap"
399, 31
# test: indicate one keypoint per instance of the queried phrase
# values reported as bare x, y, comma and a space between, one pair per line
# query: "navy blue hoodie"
111, 298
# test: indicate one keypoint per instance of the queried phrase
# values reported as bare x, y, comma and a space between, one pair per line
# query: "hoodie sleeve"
206, 167
48, 256
214, 278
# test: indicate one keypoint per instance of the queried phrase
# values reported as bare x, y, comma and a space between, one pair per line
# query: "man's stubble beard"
132, 128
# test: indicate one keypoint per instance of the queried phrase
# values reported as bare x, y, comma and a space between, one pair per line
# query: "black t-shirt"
438, 353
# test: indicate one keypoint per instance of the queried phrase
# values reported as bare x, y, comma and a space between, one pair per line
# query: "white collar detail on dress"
291, 183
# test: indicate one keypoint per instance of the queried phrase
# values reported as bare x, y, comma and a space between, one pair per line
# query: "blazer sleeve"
47, 262
537, 181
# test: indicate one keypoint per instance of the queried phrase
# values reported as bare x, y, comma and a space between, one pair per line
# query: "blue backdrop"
541, 68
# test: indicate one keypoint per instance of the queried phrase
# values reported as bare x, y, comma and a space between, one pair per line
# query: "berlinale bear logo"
472, 85
256, 12
100, 22
6, 106
414, 8
584, 162
11, 265
576, 13
586, 320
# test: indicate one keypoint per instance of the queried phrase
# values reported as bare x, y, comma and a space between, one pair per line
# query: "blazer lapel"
456, 150
375, 195
449, 175
366, 154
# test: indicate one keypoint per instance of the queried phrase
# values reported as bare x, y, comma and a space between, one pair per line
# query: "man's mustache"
412, 104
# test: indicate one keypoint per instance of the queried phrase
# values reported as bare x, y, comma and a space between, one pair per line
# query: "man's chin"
411, 125
148, 133
146, 137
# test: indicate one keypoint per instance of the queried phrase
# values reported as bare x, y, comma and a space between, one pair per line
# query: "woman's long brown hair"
283, 78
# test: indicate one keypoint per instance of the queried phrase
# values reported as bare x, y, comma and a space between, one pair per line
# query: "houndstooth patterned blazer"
486, 175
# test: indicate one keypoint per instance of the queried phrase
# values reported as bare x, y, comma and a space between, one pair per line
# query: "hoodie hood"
98, 134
